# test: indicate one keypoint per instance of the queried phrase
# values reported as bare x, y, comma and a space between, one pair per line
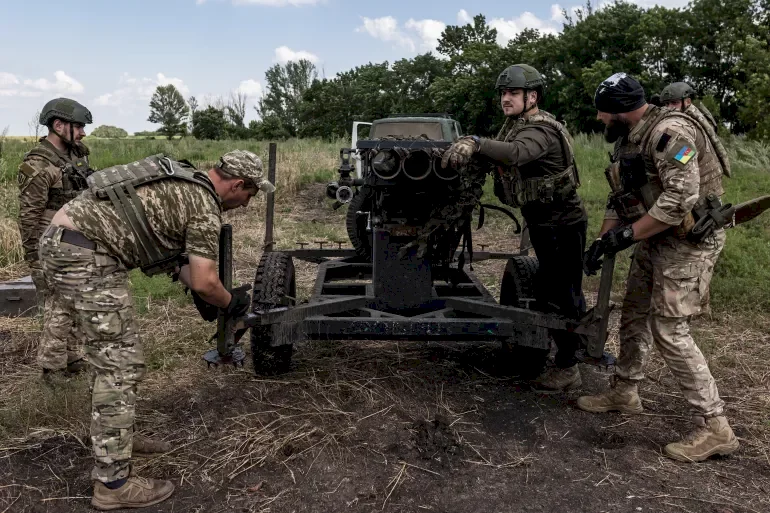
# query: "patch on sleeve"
685, 154
663, 142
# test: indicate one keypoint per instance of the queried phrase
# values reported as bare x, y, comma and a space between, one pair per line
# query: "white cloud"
12, 85
250, 87
8, 79
507, 29
386, 29
131, 90
284, 54
63, 84
463, 18
556, 14
429, 32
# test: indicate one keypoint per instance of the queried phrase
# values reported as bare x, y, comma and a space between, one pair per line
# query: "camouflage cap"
246, 165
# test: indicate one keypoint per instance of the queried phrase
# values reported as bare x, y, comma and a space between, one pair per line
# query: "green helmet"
676, 91
66, 110
520, 76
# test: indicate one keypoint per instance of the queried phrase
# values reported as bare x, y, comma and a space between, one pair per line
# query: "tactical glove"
617, 239
459, 154
592, 259
208, 311
240, 302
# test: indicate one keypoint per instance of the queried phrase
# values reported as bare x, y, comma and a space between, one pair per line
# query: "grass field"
315, 440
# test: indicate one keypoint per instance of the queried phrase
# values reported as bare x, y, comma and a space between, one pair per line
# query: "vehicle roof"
415, 119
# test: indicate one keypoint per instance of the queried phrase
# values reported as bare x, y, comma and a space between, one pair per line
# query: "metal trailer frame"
348, 303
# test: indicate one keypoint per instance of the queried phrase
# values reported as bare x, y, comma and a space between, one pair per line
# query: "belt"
72, 237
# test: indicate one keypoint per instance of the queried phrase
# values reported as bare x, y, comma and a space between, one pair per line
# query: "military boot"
54, 378
137, 492
712, 436
554, 380
77, 366
147, 447
622, 396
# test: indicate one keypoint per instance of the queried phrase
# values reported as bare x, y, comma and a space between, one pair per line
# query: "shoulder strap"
119, 183
567, 143
43, 151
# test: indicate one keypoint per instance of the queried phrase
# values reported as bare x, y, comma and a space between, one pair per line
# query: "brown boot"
712, 436
622, 396
554, 380
148, 447
138, 492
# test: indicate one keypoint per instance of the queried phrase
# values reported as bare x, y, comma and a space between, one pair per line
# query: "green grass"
740, 274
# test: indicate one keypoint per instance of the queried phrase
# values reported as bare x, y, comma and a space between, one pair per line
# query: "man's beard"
615, 130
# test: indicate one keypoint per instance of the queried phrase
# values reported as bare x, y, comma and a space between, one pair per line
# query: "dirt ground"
405, 427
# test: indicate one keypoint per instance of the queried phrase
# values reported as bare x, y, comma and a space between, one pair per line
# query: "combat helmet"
677, 91
66, 110
521, 76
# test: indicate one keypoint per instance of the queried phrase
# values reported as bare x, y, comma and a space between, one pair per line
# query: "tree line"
720, 47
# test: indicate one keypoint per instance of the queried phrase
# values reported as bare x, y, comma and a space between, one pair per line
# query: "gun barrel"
417, 165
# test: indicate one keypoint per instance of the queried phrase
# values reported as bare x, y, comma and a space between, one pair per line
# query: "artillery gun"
405, 278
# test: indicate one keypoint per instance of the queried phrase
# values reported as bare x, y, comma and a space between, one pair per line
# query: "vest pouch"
628, 205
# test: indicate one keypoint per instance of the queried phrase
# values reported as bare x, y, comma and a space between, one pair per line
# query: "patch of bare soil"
413, 427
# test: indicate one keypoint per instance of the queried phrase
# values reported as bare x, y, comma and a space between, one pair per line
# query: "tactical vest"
706, 121
514, 190
634, 179
73, 174
118, 184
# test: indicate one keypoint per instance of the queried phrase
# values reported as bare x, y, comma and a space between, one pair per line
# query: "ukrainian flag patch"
684, 155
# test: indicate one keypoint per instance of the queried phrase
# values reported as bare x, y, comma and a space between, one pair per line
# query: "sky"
111, 55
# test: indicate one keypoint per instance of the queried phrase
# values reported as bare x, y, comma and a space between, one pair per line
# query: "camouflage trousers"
666, 285
93, 288
60, 343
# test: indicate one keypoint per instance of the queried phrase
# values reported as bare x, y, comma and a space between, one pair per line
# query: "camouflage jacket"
47, 180
183, 216
679, 160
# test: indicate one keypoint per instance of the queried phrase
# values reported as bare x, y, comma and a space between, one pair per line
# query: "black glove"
617, 239
208, 311
592, 258
240, 302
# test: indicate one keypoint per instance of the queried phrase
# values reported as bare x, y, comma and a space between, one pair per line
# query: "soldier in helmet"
50, 175
664, 171
536, 172
145, 215
680, 96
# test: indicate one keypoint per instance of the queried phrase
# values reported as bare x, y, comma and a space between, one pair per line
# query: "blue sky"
110, 55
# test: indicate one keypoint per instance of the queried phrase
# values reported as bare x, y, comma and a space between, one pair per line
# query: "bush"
109, 132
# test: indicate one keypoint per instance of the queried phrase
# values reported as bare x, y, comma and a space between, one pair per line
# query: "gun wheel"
356, 225
274, 285
527, 351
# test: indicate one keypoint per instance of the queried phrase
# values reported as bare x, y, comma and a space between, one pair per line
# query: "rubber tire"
275, 280
356, 225
519, 283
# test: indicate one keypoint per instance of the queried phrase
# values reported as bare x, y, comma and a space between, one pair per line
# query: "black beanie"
619, 93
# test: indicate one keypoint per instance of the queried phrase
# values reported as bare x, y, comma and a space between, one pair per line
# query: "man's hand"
617, 239
208, 311
592, 259
614, 240
459, 154
240, 302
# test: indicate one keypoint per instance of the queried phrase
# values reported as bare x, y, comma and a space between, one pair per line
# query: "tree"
209, 123
236, 113
168, 108
285, 86
192, 102
109, 132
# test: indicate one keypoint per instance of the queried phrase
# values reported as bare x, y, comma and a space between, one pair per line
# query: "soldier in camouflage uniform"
145, 214
50, 175
663, 169
681, 96
536, 172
